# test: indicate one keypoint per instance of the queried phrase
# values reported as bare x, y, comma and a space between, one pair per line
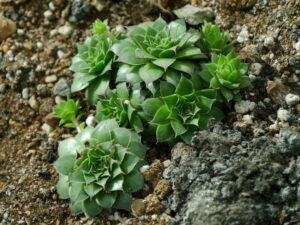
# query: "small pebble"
297, 46
52, 6
65, 30
244, 106
25, 93
90, 121
51, 79
47, 128
283, 114
292, 99
20, 31
256, 68
60, 54
243, 35
247, 119
2, 88
39, 45
144, 168
269, 42
48, 14
33, 103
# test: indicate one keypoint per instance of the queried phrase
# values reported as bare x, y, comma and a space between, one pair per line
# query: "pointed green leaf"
63, 186
184, 87
102, 181
227, 94
133, 181
116, 184
164, 132
81, 81
123, 201
106, 199
76, 207
164, 63
161, 115
122, 91
190, 52
178, 127
77, 192
245, 82
184, 66
166, 88
129, 162
69, 146
172, 76
151, 105
98, 87
92, 189
77, 176
150, 73
65, 164
91, 208
137, 149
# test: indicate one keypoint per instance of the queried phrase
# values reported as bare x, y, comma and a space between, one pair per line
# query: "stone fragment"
80, 9
289, 141
277, 91
297, 46
283, 115
162, 189
25, 93
51, 79
62, 88
244, 106
292, 99
48, 14
243, 35
51, 120
153, 205
138, 207
269, 42
7, 27
256, 68
65, 30
33, 102
90, 120
2, 88
46, 128
195, 15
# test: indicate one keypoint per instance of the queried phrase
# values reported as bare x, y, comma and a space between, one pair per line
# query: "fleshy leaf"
90, 207
150, 73
133, 181
65, 164
106, 199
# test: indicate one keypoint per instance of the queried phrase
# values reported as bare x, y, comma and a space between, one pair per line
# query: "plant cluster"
156, 79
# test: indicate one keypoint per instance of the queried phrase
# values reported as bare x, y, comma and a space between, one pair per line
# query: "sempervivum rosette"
227, 75
99, 168
181, 111
155, 51
124, 105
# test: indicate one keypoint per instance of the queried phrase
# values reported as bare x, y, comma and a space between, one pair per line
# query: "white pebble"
25, 93
244, 106
20, 31
269, 42
144, 168
256, 68
297, 46
154, 217
60, 54
292, 99
51, 79
48, 14
247, 119
47, 128
65, 30
39, 45
283, 114
52, 6
33, 103
243, 35
90, 121
53, 32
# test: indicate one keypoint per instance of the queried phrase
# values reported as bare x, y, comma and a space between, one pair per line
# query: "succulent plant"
124, 105
181, 111
99, 168
213, 40
227, 74
68, 113
155, 51
94, 61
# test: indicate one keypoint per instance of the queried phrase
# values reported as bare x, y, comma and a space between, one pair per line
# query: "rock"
80, 9
7, 27
182, 150
289, 142
247, 119
243, 35
277, 91
297, 46
46, 128
51, 120
292, 99
138, 207
153, 205
65, 30
244, 106
51, 79
90, 120
233, 180
194, 15
256, 68
25, 93
62, 88
2, 88
48, 14
144, 168
269, 42
41, 89
162, 189
33, 102
153, 174
283, 115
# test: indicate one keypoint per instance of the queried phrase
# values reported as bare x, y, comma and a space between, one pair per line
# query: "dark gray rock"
62, 88
230, 180
80, 9
289, 141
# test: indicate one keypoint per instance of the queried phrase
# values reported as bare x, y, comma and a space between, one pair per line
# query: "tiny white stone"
154, 217
256, 68
60, 54
166, 163
283, 114
269, 42
244, 106
39, 45
53, 32
33, 103
20, 31
51, 79
243, 35
90, 121
25, 93
297, 46
47, 128
144, 168
48, 14
120, 28
65, 30
292, 99
247, 119
52, 6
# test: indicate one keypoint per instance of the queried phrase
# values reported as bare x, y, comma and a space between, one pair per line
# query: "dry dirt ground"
34, 57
